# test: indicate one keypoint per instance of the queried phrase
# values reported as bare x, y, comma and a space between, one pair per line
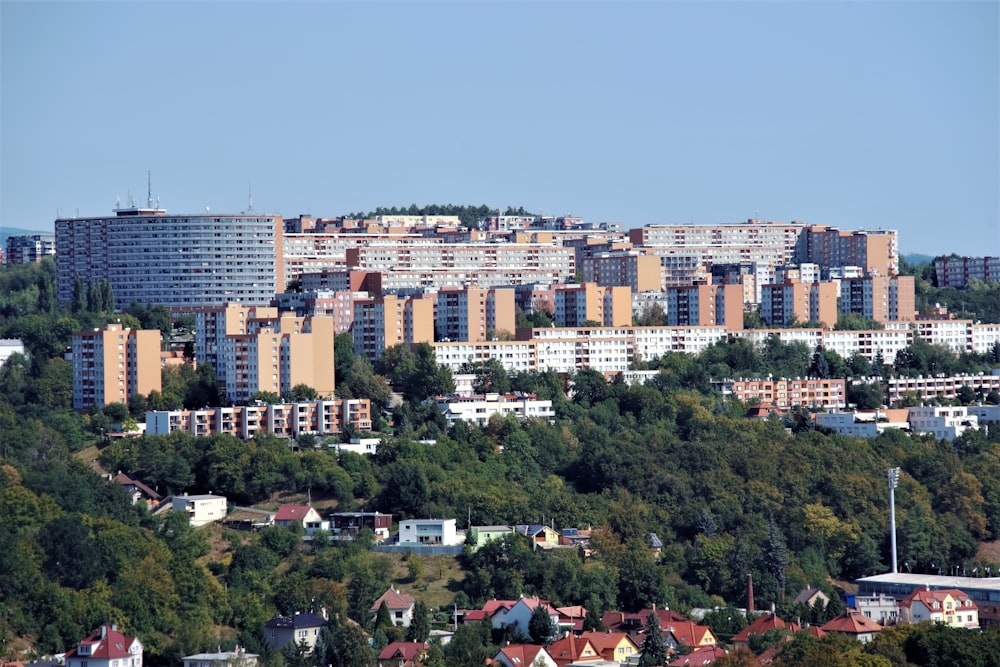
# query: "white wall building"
201, 509
864, 424
429, 532
944, 423
479, 408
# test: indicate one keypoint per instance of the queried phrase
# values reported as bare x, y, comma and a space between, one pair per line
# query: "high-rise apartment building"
705, 305
880, 298
793, 302
958, 271
112, 363
643, 273
587, 302
391, 320
179, 261
474, 313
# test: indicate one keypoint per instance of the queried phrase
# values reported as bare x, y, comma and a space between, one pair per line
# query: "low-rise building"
399, 605
429, 532
951, 607
944, 423
479, 408
347, 525
201, 509
107, 647
940, 386
235, 658
286, 420
863, 423
787, 393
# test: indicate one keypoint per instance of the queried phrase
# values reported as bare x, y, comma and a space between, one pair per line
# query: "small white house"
428, 532
201, 509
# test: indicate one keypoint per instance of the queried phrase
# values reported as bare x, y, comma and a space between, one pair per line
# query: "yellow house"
949, 606
613, 646
540, 535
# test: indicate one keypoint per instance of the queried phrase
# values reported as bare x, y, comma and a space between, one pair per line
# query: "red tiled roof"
608, 641
394, 600
292, 512
403, 650
521, 654
106, 643
570, 649
928, 598
703, 655
688, 633
851, 622
762, 624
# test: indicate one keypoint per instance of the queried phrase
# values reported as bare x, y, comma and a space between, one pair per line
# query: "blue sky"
853, 114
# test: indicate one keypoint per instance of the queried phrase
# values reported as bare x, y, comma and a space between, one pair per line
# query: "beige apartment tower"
474, 314
112, 363
391, 320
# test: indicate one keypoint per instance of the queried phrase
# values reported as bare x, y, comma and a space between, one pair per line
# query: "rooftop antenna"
149, 189
249, 197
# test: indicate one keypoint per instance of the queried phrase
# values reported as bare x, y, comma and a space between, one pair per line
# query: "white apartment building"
478, 409
940, 386
944, 423
179, 261
862, 424
30, 248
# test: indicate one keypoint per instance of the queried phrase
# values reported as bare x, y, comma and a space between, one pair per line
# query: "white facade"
479, 409
9, 346
429, 532
857, 424
944, 423
201, 509
881, 608
940, 386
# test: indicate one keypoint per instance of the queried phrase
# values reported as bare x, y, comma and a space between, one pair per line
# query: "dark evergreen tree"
654, 646
541, 629
420, 625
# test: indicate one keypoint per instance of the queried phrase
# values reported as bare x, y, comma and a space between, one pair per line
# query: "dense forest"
727, 496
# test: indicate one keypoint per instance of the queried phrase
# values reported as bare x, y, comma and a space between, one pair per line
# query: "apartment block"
391, 320
181, 261
510, 257
958, 271
944, 423
336, 305
474, 313
940, 386
479, 409
588, 302
29, 248
796, 302
287, 420
751, 276
880, 298
788, 393
112, 363
875, 250
705, 305
960, 336
214, 323
629, 268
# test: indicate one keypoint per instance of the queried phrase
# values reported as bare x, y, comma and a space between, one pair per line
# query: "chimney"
750, 608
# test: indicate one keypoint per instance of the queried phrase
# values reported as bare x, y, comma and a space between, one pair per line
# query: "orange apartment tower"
112, 363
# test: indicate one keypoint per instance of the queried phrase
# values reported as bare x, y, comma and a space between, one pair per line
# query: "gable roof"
125, 480
689, 633
762, 624
851, 622
293, 512
106, 643
394, 600
703, 655
403, 650
489, 610
571, 648
809, 594
928, 598
296, 621
605, 641
521, 654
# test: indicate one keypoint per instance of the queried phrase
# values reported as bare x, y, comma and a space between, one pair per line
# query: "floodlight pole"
893, 483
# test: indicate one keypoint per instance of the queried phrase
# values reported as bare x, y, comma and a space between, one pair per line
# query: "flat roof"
933, 580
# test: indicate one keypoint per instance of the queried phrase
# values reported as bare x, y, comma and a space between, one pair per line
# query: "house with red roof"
137, 491
519, 616
494, 610
105, 647
950, 606
703, 655
524, 655
400, 606
403, 654
853, 624
764, 623
572, 649
613, 646
296, 515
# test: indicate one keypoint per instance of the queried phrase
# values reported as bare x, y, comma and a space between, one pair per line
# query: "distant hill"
916, 258
18, 231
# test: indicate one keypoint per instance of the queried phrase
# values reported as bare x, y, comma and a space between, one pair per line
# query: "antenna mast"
149, 189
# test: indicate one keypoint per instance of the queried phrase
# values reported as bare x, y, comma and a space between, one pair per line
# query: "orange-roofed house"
572, 649
403, 654
949, 606
703, 655
400, 606
854, 624
763, 623
524, 655
690, 634
519, 616
614, 646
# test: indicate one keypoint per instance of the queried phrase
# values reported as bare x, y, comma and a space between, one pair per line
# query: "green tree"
420, 625
541, 629
654, 646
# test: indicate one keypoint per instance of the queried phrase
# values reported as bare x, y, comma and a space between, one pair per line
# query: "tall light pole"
893, 483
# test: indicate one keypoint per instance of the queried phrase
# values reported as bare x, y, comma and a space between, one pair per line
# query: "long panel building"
180, 261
